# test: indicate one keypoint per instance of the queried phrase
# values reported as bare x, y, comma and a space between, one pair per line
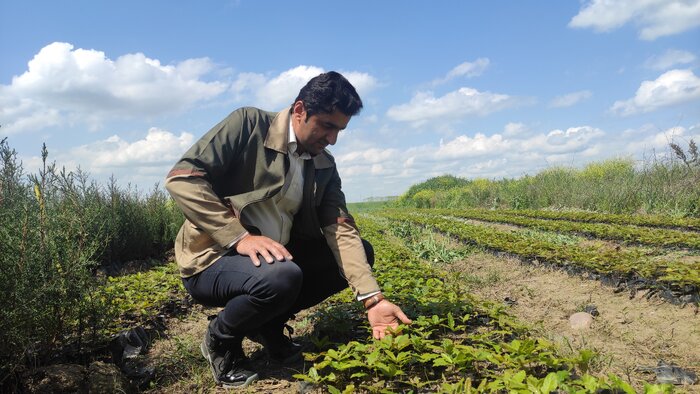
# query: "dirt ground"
629, 334
181, 349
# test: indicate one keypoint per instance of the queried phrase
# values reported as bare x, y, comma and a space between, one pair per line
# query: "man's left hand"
383, 316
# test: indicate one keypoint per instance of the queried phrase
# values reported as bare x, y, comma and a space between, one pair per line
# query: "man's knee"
282, 283
369, 251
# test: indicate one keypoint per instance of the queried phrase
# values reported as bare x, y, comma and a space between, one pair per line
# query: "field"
490, 293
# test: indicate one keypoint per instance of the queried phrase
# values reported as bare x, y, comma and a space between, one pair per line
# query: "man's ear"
299, 110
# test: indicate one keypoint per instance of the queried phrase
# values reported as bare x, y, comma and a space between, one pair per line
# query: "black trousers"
264, 297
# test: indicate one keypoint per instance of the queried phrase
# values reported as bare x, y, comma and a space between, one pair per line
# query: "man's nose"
332, 137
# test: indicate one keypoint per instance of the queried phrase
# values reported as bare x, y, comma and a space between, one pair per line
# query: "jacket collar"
278, 139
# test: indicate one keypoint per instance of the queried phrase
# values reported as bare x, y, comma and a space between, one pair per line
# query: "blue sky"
475, 89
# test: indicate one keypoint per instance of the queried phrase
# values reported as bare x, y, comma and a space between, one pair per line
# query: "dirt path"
181, 368
628, 333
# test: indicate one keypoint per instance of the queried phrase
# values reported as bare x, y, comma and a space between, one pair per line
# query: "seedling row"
632, 263
662, 237
596, 217
455, 344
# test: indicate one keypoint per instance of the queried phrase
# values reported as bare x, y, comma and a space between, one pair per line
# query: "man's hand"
385, 315
254, 245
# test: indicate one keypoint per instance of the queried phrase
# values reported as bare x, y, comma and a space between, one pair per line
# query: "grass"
667, 186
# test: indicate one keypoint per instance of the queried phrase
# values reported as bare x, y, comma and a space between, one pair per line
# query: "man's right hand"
254, 245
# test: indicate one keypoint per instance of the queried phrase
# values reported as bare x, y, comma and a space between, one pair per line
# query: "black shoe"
279, 347
228, 363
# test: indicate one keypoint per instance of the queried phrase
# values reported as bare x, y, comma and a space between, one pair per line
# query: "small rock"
107, 378
58, 378
670, 373
592, 309
580, 320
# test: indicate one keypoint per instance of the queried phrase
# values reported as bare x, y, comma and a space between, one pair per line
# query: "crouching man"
267, 232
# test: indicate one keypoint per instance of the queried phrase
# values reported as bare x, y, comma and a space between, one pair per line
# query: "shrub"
56, 228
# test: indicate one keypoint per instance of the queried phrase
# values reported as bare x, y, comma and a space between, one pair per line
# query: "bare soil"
629, 334
182, 369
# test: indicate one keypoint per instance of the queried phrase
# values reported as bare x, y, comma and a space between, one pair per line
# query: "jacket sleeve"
203, 208
344, 240
190, 180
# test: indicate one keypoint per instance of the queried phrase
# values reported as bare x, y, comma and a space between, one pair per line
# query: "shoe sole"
207, 356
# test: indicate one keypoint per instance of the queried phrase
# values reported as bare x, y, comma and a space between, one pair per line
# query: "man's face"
318, 131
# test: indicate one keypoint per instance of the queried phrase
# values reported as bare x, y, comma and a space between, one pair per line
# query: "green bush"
56, 228
665, 186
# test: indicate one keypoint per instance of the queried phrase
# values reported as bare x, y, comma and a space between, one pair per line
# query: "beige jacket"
242, 161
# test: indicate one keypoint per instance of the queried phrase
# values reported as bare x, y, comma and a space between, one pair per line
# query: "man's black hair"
328, 92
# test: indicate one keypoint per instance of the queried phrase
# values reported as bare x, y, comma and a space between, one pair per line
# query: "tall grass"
670, 186
57, 228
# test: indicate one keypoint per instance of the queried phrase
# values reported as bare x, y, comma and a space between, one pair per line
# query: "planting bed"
676, 279
596, 217
662, 237
456, 343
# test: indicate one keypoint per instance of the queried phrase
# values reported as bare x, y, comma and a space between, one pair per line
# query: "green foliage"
440, 183
665, 221
56, 229
667, 186
133, 299
624, 262
455, 344
556, 222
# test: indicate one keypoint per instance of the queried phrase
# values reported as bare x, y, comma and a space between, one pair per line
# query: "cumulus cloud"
670, 58
424, 106
571, 140
276, 92
671, 88
370, 171
464, 146
655, 18
158, 148
514, 129
466, 69
477, 155
649, 139
63, 84
570, 99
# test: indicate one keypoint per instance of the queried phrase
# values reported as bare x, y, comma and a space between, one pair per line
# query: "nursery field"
490, 293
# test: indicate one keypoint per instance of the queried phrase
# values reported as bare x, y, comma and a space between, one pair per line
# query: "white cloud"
424, 106
648, 139
63, 84
574, 139
514, 129
465, 146
274, 93
672, 87
656, 18
570, 99
466, 69
470, 151
158, 148
369, 169
670, 58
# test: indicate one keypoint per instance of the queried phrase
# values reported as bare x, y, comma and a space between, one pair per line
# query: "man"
267, 231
